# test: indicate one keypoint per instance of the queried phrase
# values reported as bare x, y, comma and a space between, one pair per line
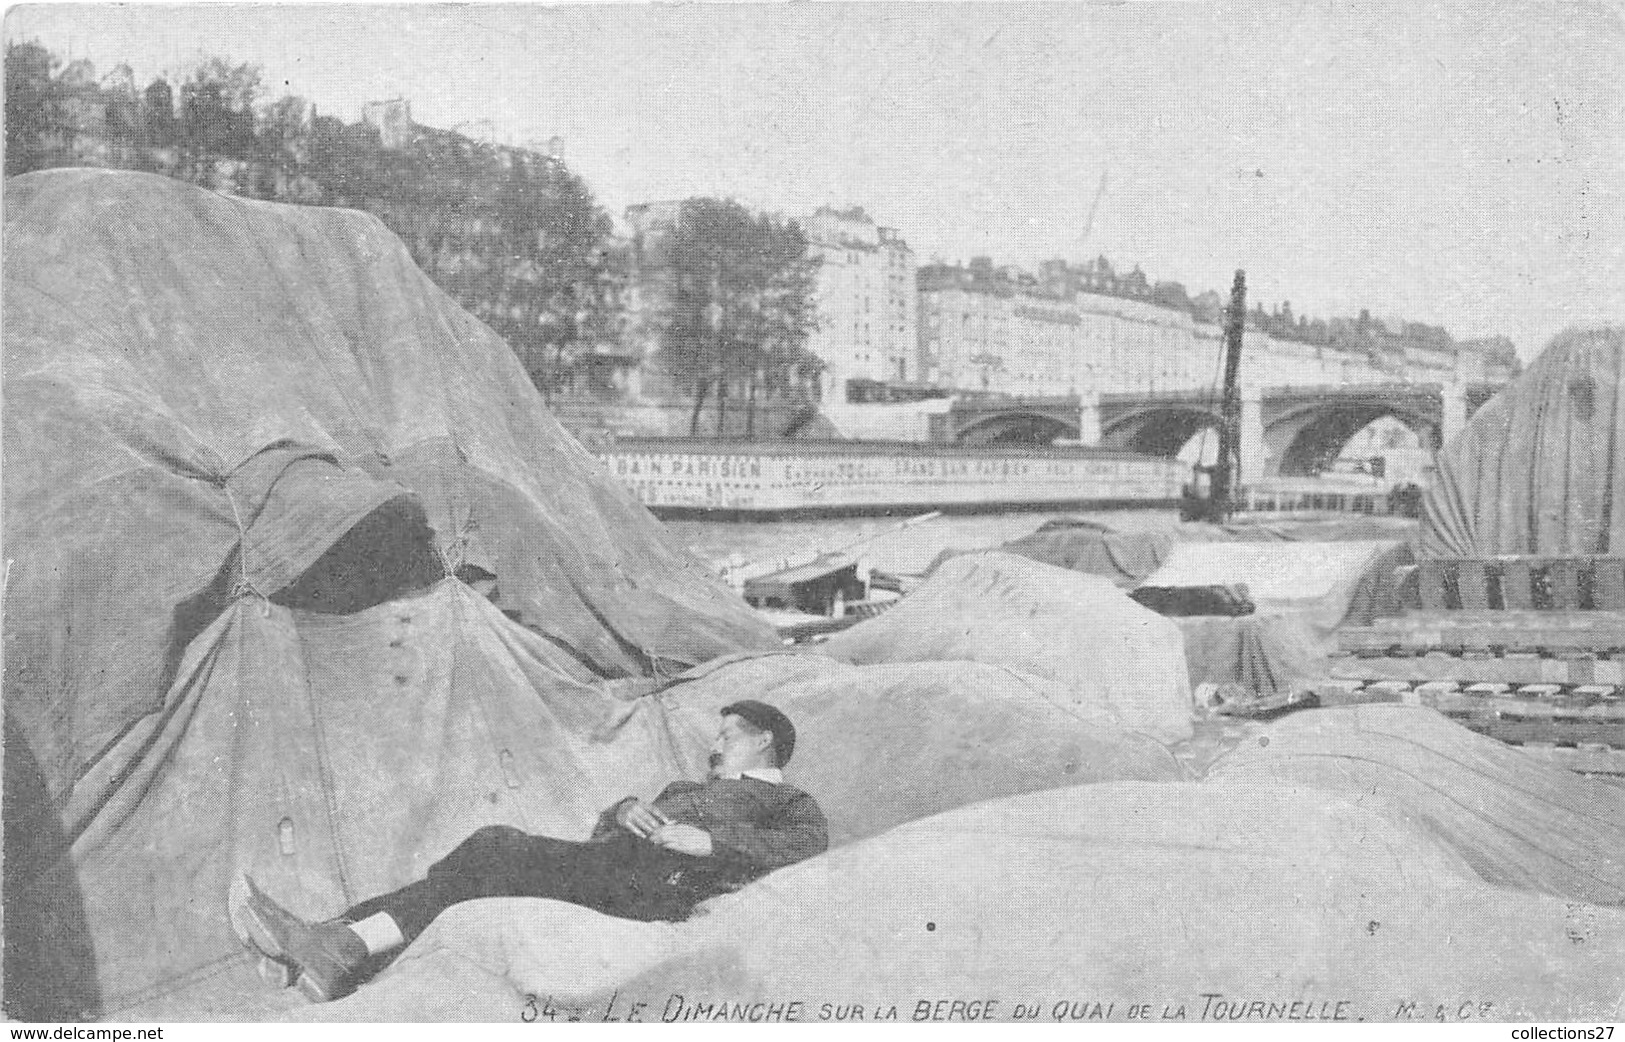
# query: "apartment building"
867, 303
999, 329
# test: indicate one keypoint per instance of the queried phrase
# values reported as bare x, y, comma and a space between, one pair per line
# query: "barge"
768, 480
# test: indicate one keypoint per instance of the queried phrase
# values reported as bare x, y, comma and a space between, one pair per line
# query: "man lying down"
644, 861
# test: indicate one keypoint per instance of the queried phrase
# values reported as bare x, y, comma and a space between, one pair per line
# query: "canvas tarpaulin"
1202, 896
335, 757
1303, 591
1125, 558
883, 744
1517, 821
221, 415
1327, 584
502, 738
1540, 469
172, 356
1269, 654
1007, 610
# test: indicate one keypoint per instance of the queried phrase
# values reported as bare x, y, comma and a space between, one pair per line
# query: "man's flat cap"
770, 720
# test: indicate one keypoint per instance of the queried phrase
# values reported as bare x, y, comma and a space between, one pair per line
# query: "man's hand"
640, 819
685, 839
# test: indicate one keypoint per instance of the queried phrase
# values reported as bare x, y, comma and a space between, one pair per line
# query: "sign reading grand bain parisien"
889, 477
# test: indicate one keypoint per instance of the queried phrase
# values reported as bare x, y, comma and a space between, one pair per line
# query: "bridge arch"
1016, 427
1305, 441
1158, 431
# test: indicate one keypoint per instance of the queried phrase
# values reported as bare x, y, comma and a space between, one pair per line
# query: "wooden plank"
1444, 619
1605, 716
1430, 584
1588, 760
1608, 584
1466, 671
1515, 591
1560, 732
1472, 585
1514, 709
1557, 671
1363, 638
1581, 669
1339, 692
1564, 577
1554, 640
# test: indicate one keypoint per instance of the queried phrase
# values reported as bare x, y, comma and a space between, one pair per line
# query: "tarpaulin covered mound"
1303, 591
1006, 610
1229, 901
335, 757
1129, 558
217, 412
1540, 469
876, 745
1517, 821
203, 394
881, 745
1126, 558
1269, 654
1325, 584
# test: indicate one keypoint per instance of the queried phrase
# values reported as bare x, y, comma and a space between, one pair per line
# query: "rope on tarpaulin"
244, 585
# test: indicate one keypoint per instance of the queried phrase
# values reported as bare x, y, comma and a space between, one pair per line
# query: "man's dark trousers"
623, 876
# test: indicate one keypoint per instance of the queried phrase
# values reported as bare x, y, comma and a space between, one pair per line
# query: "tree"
739, 307
34, 106
123, 112
1208, 307
158, 115
775, 358
1105, 279
1171, 295
551, 282
217, 112
282, 130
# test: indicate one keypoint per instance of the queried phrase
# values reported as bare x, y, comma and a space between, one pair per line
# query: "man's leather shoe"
325, 955
275, 972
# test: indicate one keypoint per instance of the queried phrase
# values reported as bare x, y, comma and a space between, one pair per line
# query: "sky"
1456, 164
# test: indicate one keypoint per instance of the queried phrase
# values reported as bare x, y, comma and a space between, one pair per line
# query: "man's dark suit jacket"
756, 826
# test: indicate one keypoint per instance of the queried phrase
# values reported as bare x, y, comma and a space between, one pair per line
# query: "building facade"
867, 304
1001, 330
990, 329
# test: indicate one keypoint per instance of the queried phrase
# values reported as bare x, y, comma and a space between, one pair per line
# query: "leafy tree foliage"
34, 105
739, 309
558, 297
514, 236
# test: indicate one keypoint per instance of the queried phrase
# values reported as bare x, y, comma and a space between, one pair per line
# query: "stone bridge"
1284, 430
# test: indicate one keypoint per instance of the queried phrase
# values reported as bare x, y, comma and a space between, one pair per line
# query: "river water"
888, 548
